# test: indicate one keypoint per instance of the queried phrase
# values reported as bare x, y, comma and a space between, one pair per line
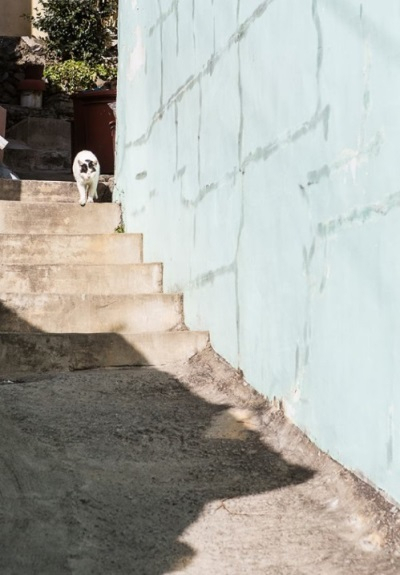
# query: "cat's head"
88, 166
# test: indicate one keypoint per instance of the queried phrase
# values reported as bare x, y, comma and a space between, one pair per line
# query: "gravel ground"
183, 470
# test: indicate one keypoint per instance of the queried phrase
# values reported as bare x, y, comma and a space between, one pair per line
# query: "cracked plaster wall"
258, 153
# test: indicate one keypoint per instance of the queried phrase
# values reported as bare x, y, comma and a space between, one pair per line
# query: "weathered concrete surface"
58, 315
58, 218
39, 144
42, 133
82, 279
46, 352
46, 190
81, 249
20, 157
88, 313
39, 191
187, 470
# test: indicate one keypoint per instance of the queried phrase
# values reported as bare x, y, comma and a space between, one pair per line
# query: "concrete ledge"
60, 313
54, 218
39, 191
74, 249
82, 279
43, 133
41, 352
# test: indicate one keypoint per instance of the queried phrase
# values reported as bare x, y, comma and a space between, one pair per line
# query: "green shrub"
73, 76
79, 30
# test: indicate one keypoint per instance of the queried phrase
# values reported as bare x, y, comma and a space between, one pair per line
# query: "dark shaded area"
9, 189
103, 474
11, 69
22, 352
94, 124
101, 471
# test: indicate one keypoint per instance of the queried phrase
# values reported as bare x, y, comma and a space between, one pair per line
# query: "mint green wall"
258, 150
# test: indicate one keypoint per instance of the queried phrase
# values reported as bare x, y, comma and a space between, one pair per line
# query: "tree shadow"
102, 471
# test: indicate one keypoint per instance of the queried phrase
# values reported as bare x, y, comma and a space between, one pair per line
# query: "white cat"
86, 170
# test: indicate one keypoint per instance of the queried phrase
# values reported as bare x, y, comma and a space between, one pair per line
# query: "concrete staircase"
74, 294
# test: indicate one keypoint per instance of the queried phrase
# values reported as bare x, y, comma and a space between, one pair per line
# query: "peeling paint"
138, 56
349, 160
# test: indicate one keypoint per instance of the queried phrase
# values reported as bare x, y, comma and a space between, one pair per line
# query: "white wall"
257, 150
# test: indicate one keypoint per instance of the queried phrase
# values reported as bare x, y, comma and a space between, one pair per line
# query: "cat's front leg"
82, 193
92, 192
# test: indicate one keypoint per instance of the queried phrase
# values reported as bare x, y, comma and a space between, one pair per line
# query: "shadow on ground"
102, 471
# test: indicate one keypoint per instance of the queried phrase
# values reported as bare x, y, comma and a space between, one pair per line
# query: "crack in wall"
315, 238
350, 159
177, 28
163, 16
161, 61
199, 126
265, 152
259, 154
320, 117
303, 347
176, 139
245, 26
241, 186
204, 191
359, 216
320, 49
207, 68
207, 278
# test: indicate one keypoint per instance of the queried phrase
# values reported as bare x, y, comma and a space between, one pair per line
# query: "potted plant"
81, 39
74, 76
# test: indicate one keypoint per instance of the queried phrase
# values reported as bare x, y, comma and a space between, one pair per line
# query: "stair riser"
42, 133
33, 191
80, 279
36, 159
71, 249
28, 353
90, 314
20, 218
49, 249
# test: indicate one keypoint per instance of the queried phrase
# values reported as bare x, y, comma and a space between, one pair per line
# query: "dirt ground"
185, 470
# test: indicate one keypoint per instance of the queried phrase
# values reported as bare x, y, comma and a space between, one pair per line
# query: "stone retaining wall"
15, 53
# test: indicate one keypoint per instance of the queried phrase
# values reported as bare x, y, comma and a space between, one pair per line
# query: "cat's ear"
80, 163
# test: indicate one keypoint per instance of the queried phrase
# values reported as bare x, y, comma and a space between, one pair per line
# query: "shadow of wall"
102, 471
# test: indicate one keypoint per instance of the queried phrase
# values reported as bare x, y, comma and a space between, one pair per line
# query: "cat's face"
87, 168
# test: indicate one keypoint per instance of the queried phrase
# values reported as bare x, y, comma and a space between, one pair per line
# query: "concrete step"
28, 159
60, 313
48, 175
42, 352
42, 133
76, 295
33, 191
54, 218
82, 279
23, 249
